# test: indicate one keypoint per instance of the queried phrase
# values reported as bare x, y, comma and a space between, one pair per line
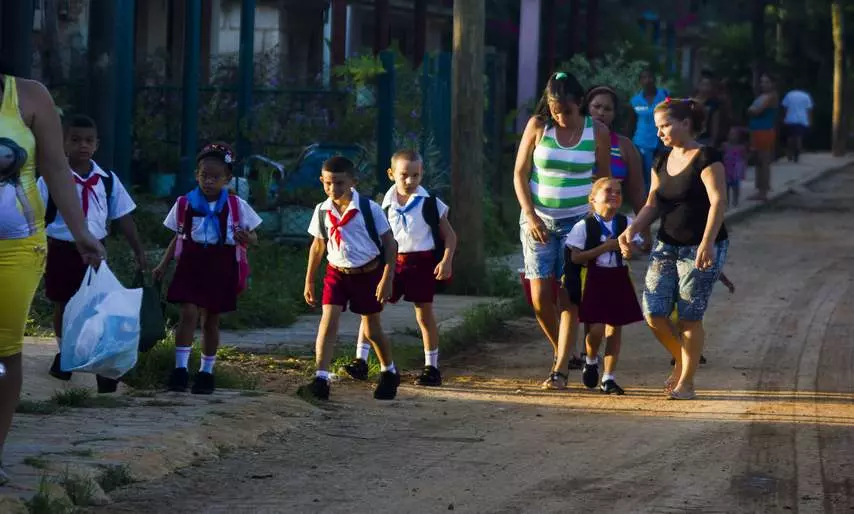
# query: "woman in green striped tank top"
553, 176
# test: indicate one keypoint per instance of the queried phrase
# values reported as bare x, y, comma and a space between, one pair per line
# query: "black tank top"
684, 201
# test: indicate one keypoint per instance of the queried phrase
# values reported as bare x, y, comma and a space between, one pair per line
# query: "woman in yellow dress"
30, 135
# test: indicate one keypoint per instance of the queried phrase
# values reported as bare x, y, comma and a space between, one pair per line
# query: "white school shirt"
357, 248
578, 236
207, 234
416, 235
98, 215
798, 104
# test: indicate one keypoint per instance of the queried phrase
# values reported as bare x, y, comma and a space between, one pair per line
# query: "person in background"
645, 135
798, 106
706, 95
763, 133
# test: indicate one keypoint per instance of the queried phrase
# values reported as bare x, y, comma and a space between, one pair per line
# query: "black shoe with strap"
590, 375
387, 386
317, 389
179, 380
56, 371
610, 387
106, 385
430, 377
357, 369
204, 383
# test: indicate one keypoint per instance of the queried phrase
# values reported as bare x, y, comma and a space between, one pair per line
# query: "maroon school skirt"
414, 280
609, 297
206, 277
64, 270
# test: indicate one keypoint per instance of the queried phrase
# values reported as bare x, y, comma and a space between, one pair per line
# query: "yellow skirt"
21, 266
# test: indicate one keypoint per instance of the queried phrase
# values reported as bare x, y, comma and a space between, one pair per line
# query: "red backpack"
243, 270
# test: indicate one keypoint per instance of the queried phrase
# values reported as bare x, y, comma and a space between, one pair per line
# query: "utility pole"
838, 23
467, 140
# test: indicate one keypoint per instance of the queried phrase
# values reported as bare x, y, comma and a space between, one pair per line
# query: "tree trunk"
102, 75
16, 37
52, 68
467, 141
838, 144
757, 24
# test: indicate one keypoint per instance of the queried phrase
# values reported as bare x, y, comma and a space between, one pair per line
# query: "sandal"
556, 381
681, 395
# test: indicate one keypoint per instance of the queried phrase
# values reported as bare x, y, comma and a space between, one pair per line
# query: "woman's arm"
647, 214
522, 175
714, 178
761, 103
633, 186
603, 150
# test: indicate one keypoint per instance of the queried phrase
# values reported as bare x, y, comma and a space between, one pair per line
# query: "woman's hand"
537, 228
91, 250
625, 241
705, 256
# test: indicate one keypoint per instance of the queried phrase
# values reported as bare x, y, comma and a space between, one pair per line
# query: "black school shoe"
430, 377
317, 389
204, 383
357, 369
387, 386
590, 375
576, 363
106, 385
56, 371
611, 387
178, 380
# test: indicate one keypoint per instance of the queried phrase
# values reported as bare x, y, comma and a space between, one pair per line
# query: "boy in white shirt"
354, 233
104, 199
798, 106
426, 244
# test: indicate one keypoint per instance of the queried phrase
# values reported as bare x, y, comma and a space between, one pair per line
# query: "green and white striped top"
563, 176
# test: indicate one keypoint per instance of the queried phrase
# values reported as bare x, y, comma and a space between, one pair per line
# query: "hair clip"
560, 75
667, 100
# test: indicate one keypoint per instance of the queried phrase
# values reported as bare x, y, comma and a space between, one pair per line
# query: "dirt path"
771, 430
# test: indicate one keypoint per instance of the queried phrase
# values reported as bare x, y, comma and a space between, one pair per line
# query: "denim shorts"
543, 260
672, 279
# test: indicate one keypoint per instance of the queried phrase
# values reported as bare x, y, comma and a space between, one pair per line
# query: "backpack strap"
368, 216
430, 211
50, 209
181, 214
234, 209
594, 232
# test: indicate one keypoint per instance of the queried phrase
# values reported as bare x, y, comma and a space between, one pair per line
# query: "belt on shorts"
367, 268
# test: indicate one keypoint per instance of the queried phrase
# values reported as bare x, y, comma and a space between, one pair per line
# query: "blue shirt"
646, 135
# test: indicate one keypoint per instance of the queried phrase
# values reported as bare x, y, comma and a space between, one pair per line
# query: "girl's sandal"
670, 383
683, 395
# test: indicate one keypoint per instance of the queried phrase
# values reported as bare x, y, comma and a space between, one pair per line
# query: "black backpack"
50, 208
368, 215
430, 211
572, 273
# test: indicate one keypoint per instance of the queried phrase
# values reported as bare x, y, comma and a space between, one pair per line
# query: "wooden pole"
837, 16
467, 141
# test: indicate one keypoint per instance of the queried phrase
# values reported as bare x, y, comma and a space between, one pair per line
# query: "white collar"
95, 169
354, 203
391, 196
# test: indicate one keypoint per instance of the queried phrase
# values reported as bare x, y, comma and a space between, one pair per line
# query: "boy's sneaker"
56, 371
556, 381
179, 380
611, 387
106, 385
590, 375
430, 377
357, 369
204, 383
317, 389
575, 362
387, 386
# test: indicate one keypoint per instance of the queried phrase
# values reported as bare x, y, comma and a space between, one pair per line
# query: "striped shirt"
563, 176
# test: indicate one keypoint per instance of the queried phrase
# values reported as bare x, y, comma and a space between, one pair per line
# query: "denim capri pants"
543, 260
672, 279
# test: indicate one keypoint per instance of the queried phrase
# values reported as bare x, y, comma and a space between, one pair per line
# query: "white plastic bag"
100, 328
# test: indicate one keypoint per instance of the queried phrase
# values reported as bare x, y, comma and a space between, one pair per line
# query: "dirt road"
772, 429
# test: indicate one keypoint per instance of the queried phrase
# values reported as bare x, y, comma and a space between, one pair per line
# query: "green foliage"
113, 477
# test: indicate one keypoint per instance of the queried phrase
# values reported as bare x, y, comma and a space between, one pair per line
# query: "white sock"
363, 350
182, 356
322, 373
431, 358
591, 360
390, 367
207, 363
607, 376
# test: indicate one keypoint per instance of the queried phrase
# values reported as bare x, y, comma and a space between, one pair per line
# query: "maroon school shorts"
64, 270
414, 280
358, 290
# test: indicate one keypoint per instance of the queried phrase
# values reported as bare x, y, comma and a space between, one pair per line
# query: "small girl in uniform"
208, 243
608, 300
735, 162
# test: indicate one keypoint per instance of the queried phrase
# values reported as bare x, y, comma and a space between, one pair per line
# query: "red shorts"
359, 290
64, 270
414, 280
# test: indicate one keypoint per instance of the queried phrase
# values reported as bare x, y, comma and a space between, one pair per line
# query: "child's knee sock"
391, 367
431, 358
363, 348
182, 356
208, 362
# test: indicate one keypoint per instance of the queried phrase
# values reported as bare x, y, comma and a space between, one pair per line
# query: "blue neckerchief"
199, 203
401, 212
607, 232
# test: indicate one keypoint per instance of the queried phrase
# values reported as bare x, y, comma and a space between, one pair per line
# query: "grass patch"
81, 398
37, 407
38, 462
154, 367
43, 502
163, 403
79, 489
113, 477
252, 394
498, 280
